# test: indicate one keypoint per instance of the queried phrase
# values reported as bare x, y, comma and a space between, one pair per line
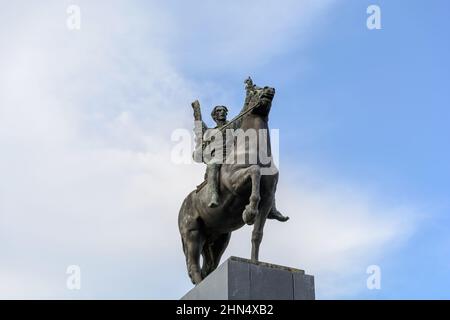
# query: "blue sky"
362, 115
386, 96
371, 106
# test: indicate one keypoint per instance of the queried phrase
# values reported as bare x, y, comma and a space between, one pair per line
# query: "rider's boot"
213, 185
276, 215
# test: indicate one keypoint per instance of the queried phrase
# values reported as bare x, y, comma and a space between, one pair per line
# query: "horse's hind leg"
192, 237
219, 248
212, 252
194, 241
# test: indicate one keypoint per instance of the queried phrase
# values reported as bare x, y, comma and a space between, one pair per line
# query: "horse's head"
260, 99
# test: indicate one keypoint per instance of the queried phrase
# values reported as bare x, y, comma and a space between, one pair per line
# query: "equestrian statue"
240, 182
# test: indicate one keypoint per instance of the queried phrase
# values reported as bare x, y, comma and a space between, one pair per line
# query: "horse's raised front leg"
238, 180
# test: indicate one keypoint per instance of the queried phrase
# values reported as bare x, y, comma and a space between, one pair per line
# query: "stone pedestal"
242, 279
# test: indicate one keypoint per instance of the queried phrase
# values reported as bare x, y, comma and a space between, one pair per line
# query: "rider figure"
219, 115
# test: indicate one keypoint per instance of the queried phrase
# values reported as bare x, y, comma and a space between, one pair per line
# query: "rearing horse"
246, 193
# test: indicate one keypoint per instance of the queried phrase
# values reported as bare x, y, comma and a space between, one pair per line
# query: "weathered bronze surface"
234, 193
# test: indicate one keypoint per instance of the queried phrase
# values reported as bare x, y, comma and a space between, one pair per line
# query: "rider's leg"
213, 184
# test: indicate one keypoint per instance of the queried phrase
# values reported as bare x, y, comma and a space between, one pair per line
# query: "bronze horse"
246, 195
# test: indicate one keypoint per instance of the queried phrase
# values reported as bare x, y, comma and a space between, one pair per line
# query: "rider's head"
219, 113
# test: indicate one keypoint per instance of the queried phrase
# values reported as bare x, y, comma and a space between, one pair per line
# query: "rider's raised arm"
199, 130
198, 116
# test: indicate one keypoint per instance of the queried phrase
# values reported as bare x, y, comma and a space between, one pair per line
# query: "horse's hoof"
196, 280
249, 215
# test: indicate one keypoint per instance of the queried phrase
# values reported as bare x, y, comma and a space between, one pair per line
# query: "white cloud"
85, 123
335, 231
